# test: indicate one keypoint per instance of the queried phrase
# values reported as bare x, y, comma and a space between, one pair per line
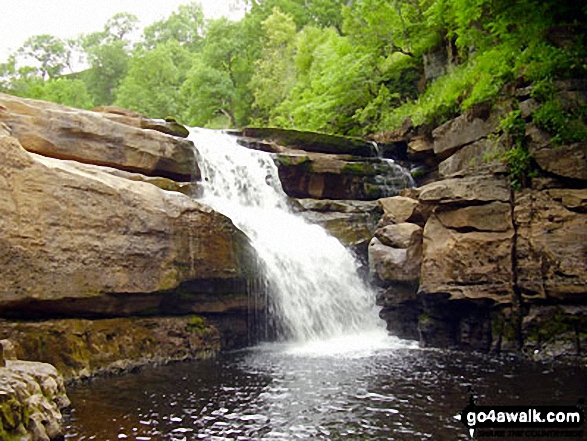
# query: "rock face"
32, 396
91, 243
82, 348
465, 261
322, 176
90, 137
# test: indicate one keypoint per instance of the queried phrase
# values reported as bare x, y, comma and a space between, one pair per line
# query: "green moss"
196, 324
358, 168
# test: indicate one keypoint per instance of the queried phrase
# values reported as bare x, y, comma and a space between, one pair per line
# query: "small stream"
280, 392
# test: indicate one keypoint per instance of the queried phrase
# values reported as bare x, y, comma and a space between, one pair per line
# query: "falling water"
313, 282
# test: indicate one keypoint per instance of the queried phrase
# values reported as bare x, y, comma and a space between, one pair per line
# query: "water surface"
281, 392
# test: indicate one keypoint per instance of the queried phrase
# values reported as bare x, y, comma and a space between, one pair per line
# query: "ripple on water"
276, 393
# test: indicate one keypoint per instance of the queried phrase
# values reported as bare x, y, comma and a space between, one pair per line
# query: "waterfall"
313, 283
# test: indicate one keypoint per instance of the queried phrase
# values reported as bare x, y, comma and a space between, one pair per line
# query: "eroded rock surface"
85, 136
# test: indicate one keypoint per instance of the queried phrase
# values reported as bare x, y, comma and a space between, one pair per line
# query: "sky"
21, 19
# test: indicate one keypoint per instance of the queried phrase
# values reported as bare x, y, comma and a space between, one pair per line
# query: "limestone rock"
572, 199
567, 161
353, 223
398, 208
395, 253
471, 189
66, 133
467, 265
463, 130
84, 239
551, 251
495, 217
32, 395
420, 147
479, 155
134, 119
401, 235
80, 348
324, 176
313, 142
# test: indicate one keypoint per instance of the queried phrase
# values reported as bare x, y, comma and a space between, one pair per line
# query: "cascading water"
313, 282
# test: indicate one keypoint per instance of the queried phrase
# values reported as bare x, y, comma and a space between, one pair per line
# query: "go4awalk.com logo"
529, 422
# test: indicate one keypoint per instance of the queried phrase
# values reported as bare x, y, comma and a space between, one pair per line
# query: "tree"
186, 26
51, 54
152, 85
224, 61
275, 72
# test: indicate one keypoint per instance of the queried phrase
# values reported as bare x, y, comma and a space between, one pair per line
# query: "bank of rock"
464, 260
480, 265
95, 225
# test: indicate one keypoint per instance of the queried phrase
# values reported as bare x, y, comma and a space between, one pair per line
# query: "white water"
313, 281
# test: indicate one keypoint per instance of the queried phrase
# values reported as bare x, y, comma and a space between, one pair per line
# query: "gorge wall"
463, 260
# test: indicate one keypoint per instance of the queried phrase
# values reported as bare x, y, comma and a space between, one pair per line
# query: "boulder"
551, 249
398, 209
32, 396
401, 235
65, 133
467, 265
96, 243
395, 253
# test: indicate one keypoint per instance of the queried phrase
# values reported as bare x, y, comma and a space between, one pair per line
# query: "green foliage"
185, 26
196, 324
154, 78
520, 167
274, 76
336, 66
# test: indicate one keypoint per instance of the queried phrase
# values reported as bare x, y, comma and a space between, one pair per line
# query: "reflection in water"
274, 392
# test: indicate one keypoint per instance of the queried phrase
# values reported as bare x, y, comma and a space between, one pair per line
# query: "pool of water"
281, 392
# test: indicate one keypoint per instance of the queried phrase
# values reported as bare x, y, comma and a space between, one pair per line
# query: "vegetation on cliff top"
333, 66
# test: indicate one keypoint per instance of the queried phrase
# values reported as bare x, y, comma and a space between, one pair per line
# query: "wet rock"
351, 222
322, 176
65, 133
83, 348
32, 396
313, 142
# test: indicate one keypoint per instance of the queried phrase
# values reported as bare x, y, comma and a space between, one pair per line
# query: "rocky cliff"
483, 265
474, 257
94, 224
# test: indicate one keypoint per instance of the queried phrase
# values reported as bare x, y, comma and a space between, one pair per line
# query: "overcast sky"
21, 19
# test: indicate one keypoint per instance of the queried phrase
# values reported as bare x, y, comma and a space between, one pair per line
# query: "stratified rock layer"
65, 133
79, 243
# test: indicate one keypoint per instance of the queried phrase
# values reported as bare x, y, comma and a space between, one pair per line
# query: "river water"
276, 392
334, 375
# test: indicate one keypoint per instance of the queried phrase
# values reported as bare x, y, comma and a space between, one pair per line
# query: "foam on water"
313, 282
